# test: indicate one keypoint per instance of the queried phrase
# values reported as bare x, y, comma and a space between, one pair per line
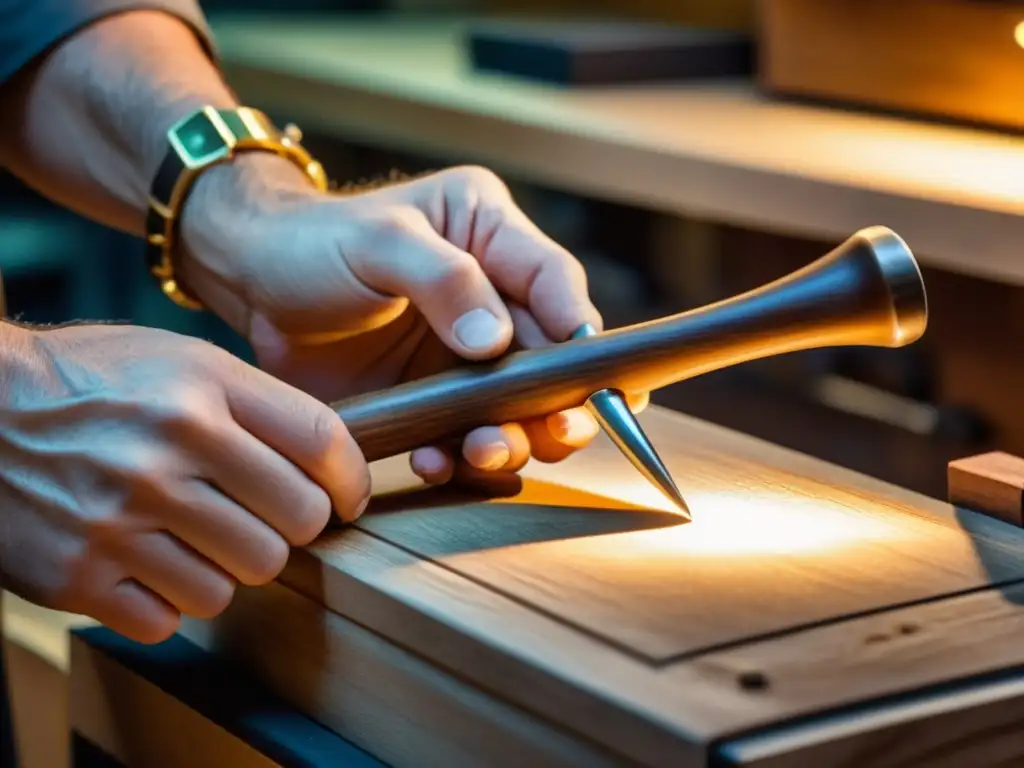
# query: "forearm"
86, 124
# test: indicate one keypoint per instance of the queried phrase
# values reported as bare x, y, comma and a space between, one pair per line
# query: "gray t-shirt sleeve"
29, 28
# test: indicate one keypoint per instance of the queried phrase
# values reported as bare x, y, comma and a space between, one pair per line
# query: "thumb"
445, 283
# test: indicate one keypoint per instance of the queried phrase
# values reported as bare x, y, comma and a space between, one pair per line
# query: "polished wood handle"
868, 292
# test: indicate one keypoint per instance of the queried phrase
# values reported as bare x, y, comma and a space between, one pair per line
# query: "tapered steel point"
620, 424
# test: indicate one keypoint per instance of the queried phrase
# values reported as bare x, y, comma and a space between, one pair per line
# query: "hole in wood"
753, 681
877, 637
909, 629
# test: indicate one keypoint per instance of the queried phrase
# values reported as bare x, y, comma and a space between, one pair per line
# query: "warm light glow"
1018, 34
744, 525
746, 522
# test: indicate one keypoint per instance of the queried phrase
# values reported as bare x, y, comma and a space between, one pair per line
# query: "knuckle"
328, 434
454, 274
309, 519
574, 267
216, 598
136, 481
174, 412
393, 223
472, 176
269, 562
142, 467
188, 412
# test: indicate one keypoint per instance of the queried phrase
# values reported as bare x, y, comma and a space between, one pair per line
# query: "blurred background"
369, 107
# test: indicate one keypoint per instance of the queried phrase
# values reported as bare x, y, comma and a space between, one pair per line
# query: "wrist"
237, 159
226, 218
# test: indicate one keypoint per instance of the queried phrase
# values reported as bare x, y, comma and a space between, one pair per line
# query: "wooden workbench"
714, 151
808, 616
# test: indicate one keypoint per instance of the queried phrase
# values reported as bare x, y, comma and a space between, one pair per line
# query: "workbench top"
719, 151
578, 621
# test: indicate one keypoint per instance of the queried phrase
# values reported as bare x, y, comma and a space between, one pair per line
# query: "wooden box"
953, 59
808, 616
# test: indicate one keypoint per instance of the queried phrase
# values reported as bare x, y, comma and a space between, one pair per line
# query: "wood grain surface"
961, 657
770, 548
392, 703
798, 590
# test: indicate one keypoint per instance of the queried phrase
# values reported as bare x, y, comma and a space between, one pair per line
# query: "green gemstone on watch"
200, 138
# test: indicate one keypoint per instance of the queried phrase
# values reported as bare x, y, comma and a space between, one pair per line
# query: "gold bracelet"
203, 139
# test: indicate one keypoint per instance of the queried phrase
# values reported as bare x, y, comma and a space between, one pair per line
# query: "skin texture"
144, 474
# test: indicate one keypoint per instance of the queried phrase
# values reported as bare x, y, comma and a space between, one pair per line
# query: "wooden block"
992, 483
577, 622
954, 59
174, 705
588, 53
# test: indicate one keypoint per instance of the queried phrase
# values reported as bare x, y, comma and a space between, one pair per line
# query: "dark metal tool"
866, 292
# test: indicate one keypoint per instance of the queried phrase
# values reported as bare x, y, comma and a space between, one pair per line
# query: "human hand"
143, 474
340, 294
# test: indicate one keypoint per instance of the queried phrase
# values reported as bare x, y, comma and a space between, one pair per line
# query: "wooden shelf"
716, 151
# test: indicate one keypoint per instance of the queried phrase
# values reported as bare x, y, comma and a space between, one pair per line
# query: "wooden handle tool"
868, 291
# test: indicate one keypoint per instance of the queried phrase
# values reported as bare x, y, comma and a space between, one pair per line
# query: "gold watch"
199, 141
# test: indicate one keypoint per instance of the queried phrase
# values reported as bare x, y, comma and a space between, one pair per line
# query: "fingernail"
573, 427
478, 329
497, 456
361, 508
429, 461
367, 498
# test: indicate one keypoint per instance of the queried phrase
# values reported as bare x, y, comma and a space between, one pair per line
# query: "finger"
266, 484
185, 580
306, 432
136, 612
408, 257
227, 534
497, 448
638, 401
556, 437
521, 261
528, 332
433, 465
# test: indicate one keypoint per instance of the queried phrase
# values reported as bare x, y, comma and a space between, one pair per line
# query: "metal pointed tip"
681, 505
619, 423
656, 471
